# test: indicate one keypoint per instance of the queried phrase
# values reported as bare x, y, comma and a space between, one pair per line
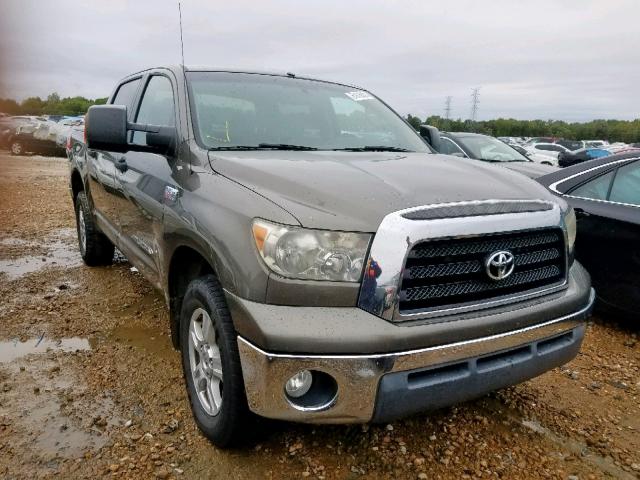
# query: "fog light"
299, 384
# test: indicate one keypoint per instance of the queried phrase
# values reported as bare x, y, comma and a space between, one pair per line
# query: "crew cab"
319, 262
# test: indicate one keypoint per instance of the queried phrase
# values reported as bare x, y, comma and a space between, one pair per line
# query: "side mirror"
458, 154
431, 135
106, 128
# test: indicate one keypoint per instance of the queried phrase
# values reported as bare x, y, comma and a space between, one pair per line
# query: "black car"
483, 147
35, 137
605, 193
566, 159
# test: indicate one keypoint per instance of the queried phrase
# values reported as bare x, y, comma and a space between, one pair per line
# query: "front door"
144, 179
104, 191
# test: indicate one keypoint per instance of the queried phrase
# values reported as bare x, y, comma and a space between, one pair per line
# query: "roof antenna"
184, 79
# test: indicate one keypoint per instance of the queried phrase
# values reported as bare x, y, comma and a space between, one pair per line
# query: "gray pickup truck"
320, 263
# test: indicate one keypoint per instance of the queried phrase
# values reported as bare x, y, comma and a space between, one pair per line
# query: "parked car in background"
617, 148
545, 153
595, 143
35, 137
63, 128
605, 193
570, 144
533, 140
566, 159
482, 147
9, 125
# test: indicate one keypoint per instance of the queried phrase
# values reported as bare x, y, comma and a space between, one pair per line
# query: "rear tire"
211, 364
95, 248
17, 148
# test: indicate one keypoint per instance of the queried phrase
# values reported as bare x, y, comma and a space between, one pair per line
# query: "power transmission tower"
475, 101
447, 107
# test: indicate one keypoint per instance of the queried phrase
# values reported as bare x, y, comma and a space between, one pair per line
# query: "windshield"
238, 110
491, 149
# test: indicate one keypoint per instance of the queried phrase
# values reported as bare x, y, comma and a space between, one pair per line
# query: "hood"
353, 191
530, 169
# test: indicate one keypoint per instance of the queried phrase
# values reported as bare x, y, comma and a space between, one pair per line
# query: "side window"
596, 189
126, 92
156, 107
626, 185
448, 147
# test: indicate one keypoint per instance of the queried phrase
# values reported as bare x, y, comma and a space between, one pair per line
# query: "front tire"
211, 363
95, 248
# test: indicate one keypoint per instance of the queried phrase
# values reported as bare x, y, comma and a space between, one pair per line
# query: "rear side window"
626, 185
126, 92
596, 189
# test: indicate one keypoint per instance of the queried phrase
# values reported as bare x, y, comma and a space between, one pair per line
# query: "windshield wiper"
235, 147
373, 148
264, 146
493, 160
284, 146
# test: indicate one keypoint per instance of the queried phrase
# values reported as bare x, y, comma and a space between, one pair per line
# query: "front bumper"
379, 387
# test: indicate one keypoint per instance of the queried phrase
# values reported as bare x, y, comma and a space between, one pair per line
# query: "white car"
546, 153
596, 143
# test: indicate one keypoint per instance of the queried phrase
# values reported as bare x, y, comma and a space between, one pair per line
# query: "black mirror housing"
106, 128
163, 141
431, 135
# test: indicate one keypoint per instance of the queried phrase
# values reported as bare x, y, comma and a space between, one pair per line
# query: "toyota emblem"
500, 265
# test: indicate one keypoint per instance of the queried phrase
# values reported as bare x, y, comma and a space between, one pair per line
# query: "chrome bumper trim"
358, 375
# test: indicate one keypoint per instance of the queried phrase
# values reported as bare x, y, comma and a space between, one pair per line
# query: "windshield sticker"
359, 96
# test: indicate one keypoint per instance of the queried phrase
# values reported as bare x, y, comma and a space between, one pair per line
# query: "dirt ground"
91, 387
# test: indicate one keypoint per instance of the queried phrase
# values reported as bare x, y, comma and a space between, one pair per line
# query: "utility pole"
447, 107
475, 101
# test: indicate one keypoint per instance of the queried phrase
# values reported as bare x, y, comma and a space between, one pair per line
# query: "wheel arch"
187, 262
77, 185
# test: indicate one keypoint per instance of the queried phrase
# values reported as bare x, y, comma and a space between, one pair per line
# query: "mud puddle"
142, 338
58, 250
13, 349
44, 402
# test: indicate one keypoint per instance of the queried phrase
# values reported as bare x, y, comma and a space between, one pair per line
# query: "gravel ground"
91, 387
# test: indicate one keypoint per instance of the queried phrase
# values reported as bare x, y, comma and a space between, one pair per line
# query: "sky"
572, 60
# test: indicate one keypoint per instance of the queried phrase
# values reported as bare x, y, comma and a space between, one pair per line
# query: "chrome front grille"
450, 272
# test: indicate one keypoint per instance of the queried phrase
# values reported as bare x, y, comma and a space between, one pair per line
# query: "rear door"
104, 191
145, 179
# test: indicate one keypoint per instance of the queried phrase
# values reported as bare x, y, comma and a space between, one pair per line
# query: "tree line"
627, 131
52, 105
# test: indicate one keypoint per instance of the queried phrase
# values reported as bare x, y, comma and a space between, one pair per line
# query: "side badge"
171, 194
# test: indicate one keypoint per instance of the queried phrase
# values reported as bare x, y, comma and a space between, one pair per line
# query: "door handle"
580, 212
121, 164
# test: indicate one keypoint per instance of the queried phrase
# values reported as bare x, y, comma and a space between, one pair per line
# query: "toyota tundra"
319, 261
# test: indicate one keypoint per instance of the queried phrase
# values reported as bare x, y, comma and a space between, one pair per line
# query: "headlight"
570, 222
311, 254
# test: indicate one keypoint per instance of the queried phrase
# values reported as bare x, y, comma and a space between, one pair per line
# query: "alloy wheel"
205, 361
82, 233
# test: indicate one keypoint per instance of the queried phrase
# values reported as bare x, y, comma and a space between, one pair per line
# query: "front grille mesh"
443, 273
